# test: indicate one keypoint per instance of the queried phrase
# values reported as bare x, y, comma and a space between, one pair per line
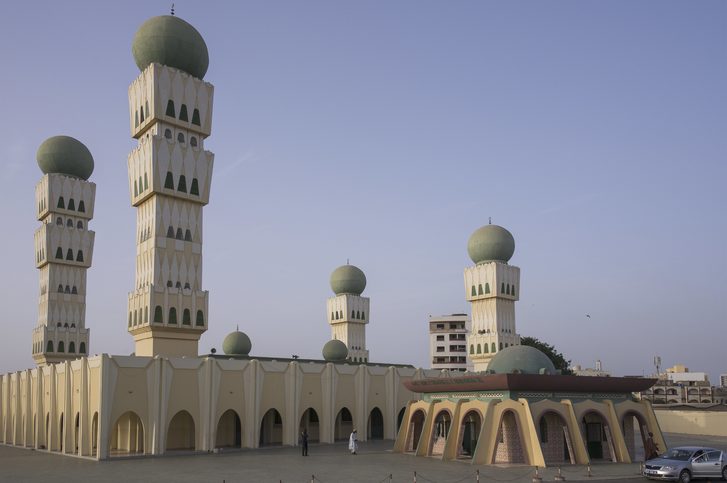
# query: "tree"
558, 359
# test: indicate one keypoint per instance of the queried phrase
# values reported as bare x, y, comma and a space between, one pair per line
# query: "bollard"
559, 476
478, 476
536, 477
312, 478
415, 477
589, 470
390, 477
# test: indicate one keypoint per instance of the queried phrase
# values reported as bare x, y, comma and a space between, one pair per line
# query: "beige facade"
108, 406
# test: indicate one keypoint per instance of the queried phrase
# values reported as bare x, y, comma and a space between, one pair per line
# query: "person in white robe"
353, 442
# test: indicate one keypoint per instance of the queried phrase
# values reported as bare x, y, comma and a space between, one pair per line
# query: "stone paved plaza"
329, 463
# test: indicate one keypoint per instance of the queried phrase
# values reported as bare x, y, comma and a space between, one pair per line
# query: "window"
141, 115
69, 223
195, 117
194, 189
183, 113
180, 234
170, 232
487, 288
168, 133
353, 314
500, 345
188, 235
172, 315
49, 347
141, 189
146, 183
68, 289
507, 290
333, 316
182, 186
61, 203
479, 349
492, 348
440, 326
69, 255
169, 181
82, 348
440, 337
136, 319
187, 286
479, 289
472, 349
512, 290
136, 191
146, 315
186, 317
170, 108
79, 225
180, 137
193, 141
129, 319
158, 314
474, 292
59, 253
79, 256
170, 284
61, 347
136, 119
148, 112
72, 348
60, 288
178, 285
486, 351
358, 314
200, 319
363, 315
81, 207
59, 221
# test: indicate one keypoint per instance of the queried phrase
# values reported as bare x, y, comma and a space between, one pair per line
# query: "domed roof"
237, 343
491, 243
335, 351
521, 359
170, 41
65, 155
348, 279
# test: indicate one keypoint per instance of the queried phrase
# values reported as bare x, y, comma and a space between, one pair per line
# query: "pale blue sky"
386, 132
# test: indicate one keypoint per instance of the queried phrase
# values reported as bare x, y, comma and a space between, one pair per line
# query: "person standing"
304, 442
651, 450
353, 442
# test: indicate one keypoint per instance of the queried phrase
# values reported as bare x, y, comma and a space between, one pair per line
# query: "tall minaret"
348, 311
170, 109
63, 249
493, 287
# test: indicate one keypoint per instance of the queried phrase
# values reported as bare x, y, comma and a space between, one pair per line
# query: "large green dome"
65, 155
348, 279
170, 41
491, 243
335, 351
521, 359
237, 344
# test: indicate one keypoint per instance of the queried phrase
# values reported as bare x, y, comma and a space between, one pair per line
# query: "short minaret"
492, 286
170, 109
63, 249
348, 311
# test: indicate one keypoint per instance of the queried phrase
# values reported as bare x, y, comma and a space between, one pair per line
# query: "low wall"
692, 421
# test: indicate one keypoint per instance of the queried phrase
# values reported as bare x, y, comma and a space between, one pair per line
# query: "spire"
172, 9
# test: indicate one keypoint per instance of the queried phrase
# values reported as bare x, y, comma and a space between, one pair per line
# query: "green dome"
491, 243
170, 41
348, 279
65, 155
521, 359
237, 344
335, 351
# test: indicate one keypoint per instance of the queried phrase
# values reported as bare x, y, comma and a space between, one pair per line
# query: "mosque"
167, 398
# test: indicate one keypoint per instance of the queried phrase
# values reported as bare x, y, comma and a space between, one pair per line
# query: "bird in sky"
588, 315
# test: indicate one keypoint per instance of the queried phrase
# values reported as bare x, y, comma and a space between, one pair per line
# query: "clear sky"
385, 132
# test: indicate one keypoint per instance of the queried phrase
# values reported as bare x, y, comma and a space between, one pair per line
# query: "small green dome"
237, 344
170, 41
65, 155
491, 243
335, 351
348, 279
521, 359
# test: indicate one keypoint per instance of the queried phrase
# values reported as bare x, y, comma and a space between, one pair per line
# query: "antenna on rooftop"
172, 9
347, 262
490, 223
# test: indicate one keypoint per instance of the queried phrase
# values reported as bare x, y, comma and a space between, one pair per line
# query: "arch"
195, 117
180, 234
271, 428
474, 291
81, 207
353, 314
479, 349
199, 322
67, 289
193, 141
82, 348
94, 432
76, 430
79, 225
169, 181
59, 253
310, 422
168, 133
507, 289
170, 232
509, 447
183, 116
400, 418
186, 317
512, 290
468, 434
487, 288
492, 348
170, 109
553, 443
180, 137
343, 425
61, 348
146, 315
182, 185
79, 256
472, 348
363, 315
71, 347
180, 432
60, 288
358, 314
69, 223
158, 314
69, 254
60, 430
61, 203
634, 424
479, 290
416, 425
500, 345
375, 425
594, 429
71, 204
127, 434
59, 221
146, 183
486, 351
49, 346
194, 189
172, 315
188, 235
229, 430
440, 431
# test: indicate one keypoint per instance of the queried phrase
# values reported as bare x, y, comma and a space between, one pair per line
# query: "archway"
416, 424
76, 429
375, 424
598, 437
552, 430
271, 428
229, 430
344, 425
180, 434
635, 433
400, 418
440, 431
60, 433
47, 443
468, 434
94, 434
310, 422
127, 435
509, 447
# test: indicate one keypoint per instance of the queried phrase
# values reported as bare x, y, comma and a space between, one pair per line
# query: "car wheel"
724, 473
685, 476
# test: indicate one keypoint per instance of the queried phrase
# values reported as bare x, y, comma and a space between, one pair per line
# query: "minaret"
170, 109
348, 311
63, 249
492, 287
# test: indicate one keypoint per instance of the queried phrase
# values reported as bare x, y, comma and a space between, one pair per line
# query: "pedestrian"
651, 449
304, 441
353, 442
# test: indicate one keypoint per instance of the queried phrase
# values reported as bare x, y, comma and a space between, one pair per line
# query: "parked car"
687, 462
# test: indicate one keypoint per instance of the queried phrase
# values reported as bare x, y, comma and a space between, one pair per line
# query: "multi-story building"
679, 386
723, 380
448, 342
590, 371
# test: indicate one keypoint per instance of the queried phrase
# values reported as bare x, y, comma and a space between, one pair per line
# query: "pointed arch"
183, 116
186, 317
169, 181
229, 430
199, 322
127, 434
61, 347
271, 428
170, 109
82, 348
158, 314
172, 315
71, 347
195, 117
49, 346
182, 185
181, 432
